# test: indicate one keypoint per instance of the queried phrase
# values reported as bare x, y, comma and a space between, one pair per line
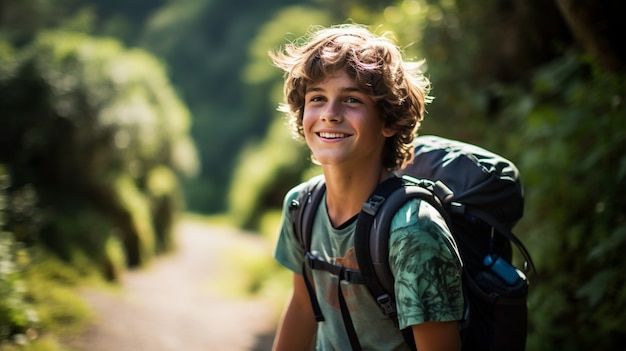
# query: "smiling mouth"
326, 135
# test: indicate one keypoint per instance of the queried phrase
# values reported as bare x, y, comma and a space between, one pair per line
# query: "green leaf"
595, 289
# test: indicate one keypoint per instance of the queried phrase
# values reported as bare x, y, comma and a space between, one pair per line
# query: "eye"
353, 100
314, 99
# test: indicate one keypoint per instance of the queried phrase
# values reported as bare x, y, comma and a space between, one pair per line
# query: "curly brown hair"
375, 63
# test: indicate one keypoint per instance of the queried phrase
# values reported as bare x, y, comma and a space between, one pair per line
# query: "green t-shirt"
423, 258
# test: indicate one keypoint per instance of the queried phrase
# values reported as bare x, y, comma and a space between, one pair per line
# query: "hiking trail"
173, 304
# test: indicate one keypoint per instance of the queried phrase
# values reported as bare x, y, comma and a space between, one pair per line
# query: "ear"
389, 131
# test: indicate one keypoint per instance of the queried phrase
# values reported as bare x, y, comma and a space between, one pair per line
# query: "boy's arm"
437, 336
297, 326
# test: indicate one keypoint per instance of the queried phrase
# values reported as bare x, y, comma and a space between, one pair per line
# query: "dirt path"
172, 307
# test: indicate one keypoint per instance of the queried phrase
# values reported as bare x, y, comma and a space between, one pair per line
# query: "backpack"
480, 196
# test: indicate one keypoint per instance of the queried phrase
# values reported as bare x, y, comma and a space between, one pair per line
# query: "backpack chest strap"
345, 274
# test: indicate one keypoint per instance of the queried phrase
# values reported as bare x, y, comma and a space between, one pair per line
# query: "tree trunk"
597, 26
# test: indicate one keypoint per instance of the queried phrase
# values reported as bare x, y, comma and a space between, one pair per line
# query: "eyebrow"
349, 89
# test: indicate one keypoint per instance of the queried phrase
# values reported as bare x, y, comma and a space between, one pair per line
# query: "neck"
347, 191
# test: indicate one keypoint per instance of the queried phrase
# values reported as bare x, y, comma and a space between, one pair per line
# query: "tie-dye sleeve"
426, 266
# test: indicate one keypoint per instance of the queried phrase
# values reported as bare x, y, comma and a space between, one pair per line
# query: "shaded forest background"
118, 116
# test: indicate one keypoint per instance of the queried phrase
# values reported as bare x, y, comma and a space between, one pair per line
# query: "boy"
358, 107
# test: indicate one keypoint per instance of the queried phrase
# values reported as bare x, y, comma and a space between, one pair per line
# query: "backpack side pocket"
498, 313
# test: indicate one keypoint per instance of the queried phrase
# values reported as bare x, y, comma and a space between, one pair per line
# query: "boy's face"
341, 123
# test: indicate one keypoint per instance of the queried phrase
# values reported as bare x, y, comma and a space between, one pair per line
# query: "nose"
332, 112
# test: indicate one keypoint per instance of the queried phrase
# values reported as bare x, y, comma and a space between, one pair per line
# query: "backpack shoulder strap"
362, 245
304, 208
371, 240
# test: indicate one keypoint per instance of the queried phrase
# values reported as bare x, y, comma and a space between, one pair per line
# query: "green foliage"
17, 316
53, 290
37, 291
573, 166
287, 24
165, 203
266, 171
95, 140
122, 93
472, 53
52, 294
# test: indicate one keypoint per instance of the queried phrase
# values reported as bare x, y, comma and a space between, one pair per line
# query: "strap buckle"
351, 276
387, 306
372, 205
311, 261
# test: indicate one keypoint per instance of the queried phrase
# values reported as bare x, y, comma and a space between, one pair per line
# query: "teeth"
332, 135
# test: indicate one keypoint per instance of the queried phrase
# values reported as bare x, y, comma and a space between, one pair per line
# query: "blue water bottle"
502, 269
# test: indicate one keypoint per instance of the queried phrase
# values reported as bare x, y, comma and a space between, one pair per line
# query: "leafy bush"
17, 316
99, 136
574, 167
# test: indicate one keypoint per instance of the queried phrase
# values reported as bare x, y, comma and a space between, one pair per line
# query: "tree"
100, 136
598, 28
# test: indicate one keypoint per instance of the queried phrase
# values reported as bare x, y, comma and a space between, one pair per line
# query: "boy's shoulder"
307, 185
302, 190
